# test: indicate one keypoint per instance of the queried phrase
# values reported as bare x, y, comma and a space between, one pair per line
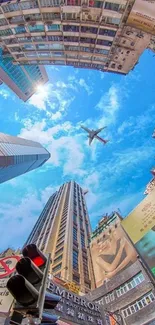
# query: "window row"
139, 304
136, 280
132, 283
25, 5
75, 260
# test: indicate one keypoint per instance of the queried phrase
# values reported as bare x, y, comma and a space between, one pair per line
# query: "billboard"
7, 267
142, 16
111, 253
140, 226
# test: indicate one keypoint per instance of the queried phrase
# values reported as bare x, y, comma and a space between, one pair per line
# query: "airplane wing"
86, 129
99, 130
101, 140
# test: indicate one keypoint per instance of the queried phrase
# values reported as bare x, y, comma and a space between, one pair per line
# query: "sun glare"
41, 90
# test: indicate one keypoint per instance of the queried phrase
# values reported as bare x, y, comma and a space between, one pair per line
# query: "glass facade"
18, 156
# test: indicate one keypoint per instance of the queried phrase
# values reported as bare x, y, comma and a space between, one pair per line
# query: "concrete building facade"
82, 33
19, 156
63, 229
129, 294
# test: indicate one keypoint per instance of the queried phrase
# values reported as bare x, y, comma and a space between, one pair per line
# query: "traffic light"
28, 286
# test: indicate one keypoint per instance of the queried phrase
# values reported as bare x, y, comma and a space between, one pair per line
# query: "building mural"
111, 252
140, 226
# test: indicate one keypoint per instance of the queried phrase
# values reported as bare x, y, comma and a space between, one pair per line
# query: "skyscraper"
81, 33
19, 156
22, 80
63, 229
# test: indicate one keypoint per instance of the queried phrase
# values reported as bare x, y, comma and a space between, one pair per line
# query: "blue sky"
115, 174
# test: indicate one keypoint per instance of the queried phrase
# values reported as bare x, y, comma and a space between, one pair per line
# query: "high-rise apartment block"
23, 80
63, 229
124, 286
19, 156
90, 34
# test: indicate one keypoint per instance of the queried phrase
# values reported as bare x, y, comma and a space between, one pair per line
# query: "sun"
41, 90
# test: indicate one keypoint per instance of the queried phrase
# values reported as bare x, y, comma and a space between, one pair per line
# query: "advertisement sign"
6, 300
111, 253
142, 16
76, 309
7, 267
140, 226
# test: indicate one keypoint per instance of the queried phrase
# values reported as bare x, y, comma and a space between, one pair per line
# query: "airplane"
94, 134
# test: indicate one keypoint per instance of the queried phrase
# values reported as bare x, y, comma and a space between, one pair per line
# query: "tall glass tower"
19, 156
63, 229
22, 80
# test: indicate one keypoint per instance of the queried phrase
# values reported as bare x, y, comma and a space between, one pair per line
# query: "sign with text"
7, 267
6, 300
140, 226
76, 309
142, 16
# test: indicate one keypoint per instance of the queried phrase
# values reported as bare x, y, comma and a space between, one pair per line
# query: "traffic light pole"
43, 288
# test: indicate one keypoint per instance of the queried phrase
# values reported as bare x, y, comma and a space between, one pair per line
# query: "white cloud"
56, 116
66, 151
25, 214
92, 180
101, 75
53, 99
84, 85
24, 217
4, 93
139, 124
109, 104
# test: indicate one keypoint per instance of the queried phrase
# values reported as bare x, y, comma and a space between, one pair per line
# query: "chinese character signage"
140, 226
111, 253
142, 16
76, 309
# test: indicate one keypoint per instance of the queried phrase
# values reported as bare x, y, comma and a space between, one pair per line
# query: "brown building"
63, 229
90, 34
125, 289
151, 185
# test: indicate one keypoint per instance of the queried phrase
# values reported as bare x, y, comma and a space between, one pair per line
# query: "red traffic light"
33, 252
38, 260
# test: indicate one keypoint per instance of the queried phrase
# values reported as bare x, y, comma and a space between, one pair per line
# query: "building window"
59, 251
76, 278
75, 260
87, 285
95, 4
136, 280
71, 28
74, 2
58, 259
74, 234
139, 304
54, 27
82, 240
111, 6
58, 275
59, 245
57, 267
